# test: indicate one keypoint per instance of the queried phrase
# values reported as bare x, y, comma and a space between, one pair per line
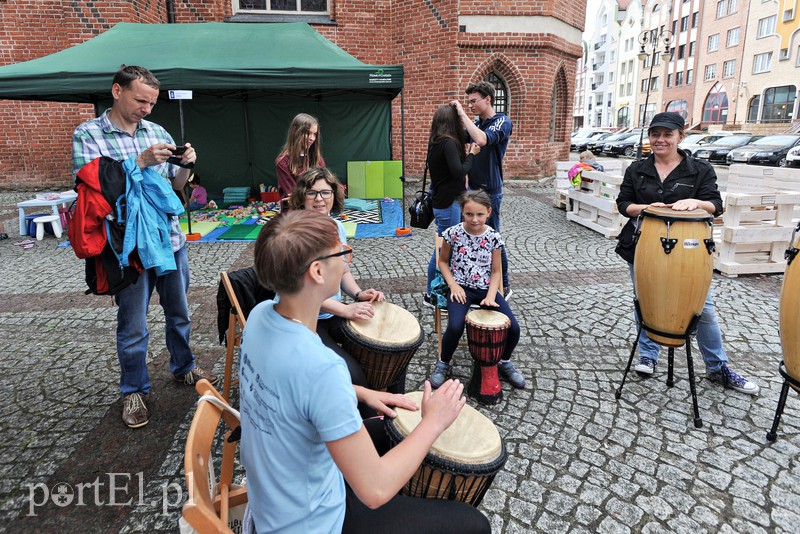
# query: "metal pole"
646, 102
183, 142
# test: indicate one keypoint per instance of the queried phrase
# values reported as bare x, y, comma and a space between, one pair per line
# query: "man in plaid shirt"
122, 133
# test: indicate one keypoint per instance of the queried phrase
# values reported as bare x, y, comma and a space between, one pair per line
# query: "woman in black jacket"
668, 178
448, 164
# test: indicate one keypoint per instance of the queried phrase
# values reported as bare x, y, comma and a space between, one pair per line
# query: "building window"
715, 109
669, 80
691, 49
654, 83
679, 78
713, 42
695, 16
729, 68
711, 72
722, 8
766, 26
762, 62
623, 117
646, 113
282, 7
779, 104
645, 85
681, 51
501, 100
797, 61
732, 6
689, 76
733, 37
752, 109
679, 106
685, 23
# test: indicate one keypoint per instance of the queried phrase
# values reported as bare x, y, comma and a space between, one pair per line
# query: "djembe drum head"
461, 463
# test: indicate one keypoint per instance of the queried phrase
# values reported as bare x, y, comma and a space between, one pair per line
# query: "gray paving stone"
579, 459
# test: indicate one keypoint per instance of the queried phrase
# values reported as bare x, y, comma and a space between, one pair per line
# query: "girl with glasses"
319, 190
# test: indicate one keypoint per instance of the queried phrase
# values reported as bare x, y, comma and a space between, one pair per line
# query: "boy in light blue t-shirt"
312, 464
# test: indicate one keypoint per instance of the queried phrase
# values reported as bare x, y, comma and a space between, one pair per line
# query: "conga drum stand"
788, 379
687, 338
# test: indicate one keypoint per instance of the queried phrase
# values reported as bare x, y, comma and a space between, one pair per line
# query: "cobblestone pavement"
579, 460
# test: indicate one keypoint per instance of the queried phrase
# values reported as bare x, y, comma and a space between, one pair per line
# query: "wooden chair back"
233, 338
211, 499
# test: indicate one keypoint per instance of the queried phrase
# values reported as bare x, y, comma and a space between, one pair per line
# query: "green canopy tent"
248, 81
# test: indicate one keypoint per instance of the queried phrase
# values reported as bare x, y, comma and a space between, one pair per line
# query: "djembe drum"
462, 462
672, 271
487, 332
383, 345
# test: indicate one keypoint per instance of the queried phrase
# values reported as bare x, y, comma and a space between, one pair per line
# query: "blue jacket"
150, 201
487, 167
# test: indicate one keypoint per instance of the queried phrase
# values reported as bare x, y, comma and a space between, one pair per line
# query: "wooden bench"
762, 208
561, 183
594, 205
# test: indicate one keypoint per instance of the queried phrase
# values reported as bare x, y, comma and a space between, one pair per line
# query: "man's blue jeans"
445, 218
709, 337
494, 222
132, 332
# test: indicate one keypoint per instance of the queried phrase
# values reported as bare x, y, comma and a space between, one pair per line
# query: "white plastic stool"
54, 220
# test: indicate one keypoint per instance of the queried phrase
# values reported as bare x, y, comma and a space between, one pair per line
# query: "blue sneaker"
730, 379
439, 374
510, 373
646, 366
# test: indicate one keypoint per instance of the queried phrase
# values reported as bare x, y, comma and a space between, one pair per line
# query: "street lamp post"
650, 41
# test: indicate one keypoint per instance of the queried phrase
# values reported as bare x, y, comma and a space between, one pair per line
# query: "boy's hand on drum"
371, 295
381, 401
441, 407
457, 293
359, 310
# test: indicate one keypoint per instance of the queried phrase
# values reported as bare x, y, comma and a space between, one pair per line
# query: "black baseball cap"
668, 119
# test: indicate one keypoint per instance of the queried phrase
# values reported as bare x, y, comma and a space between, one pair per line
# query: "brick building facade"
444, 45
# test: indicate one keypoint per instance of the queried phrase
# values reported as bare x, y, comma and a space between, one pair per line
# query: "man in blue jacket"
122, 133
491, 132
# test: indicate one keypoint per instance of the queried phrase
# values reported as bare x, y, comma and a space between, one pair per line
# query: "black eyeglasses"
346, 254
325, 193
474, 100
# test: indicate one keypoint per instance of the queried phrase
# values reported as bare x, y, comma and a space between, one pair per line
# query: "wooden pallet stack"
594, 205
762, 208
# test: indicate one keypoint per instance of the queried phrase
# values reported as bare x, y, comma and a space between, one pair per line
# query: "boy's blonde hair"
586, 154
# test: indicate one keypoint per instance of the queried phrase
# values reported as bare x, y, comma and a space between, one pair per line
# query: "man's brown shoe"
196, 374
134, 412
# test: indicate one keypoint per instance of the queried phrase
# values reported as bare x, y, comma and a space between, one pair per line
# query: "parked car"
596, 146
717, 152
693, 143
581, 144
622, 146
584, 136
793, 157
769, 150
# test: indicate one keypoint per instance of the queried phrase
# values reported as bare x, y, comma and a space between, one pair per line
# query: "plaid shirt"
98, 137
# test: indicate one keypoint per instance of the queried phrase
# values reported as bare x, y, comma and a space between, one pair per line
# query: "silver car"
692, 143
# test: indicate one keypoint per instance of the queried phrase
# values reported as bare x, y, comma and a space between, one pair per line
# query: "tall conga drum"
672, 270
487, 332
383, 345
790, 311
462, 462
